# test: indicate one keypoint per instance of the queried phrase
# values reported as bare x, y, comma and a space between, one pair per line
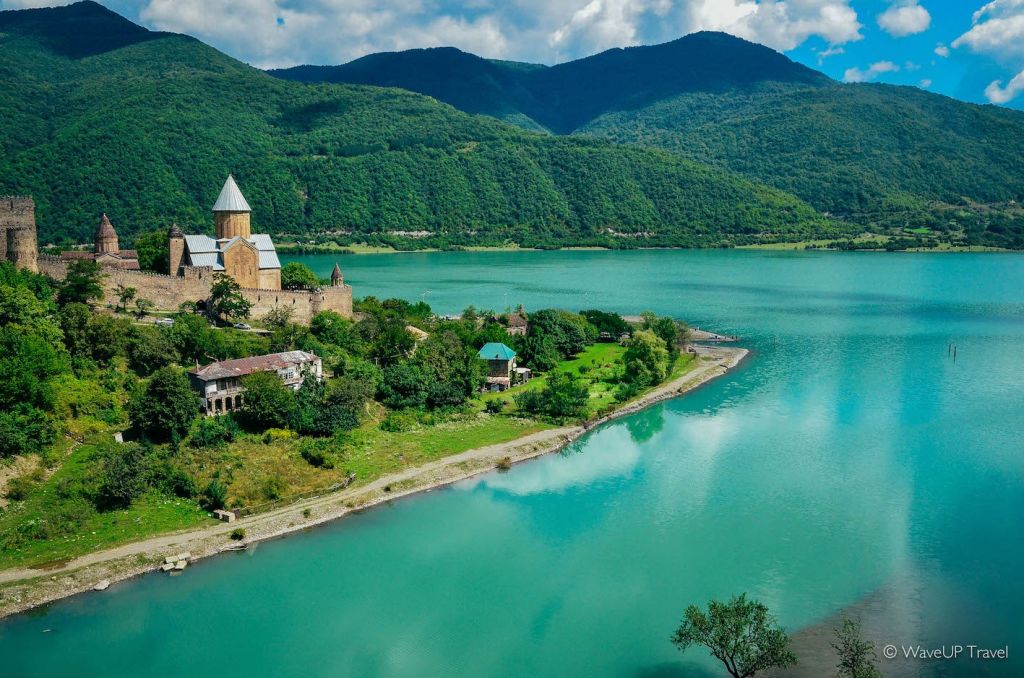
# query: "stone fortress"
250, 259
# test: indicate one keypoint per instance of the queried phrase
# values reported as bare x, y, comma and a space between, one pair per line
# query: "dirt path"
24, 588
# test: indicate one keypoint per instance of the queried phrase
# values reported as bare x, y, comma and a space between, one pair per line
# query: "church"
248, 258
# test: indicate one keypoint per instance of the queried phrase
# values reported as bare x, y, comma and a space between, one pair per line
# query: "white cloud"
998, 94
870, 73
903, 18
997, 29
942, 50
782, 24
833, 50
926, 83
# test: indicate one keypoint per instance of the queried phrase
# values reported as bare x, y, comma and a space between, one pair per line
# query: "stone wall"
168, 292
18, 231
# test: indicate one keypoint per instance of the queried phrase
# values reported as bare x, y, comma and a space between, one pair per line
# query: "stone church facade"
194, 259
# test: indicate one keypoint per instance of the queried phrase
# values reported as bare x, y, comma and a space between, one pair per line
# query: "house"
220, 384
516, 322
250, 258
501, 366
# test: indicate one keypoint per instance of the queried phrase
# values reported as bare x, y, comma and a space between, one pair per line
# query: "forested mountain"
99, 115
875, 155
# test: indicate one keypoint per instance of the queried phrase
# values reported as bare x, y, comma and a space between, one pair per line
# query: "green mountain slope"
878, 156
98, 115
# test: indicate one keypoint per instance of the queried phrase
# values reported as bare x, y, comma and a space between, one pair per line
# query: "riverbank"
22, 589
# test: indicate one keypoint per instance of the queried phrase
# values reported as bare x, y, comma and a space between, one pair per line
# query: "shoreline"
22, 589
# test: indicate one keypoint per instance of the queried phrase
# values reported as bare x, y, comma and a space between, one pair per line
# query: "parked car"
165, 321
242, 326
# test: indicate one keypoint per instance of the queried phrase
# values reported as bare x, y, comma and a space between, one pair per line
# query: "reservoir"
849, 464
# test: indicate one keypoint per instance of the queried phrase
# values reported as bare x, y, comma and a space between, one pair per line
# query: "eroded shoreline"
22, 589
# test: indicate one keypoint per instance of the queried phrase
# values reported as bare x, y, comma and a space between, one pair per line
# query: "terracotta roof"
260, 363
517, 320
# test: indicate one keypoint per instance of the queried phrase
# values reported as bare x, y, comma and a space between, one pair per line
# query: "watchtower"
18, 232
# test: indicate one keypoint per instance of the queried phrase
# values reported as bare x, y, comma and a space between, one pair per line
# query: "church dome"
106, 237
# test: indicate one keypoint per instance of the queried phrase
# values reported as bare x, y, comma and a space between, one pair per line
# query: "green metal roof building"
496, 350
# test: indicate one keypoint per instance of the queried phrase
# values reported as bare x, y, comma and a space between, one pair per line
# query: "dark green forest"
882, 158
100, 115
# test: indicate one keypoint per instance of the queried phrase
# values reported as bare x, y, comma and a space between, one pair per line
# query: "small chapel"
249, 258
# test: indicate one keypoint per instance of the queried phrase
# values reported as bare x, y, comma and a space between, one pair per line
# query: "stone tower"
175, 249
18, 232
231, 212
106, 238
336, 279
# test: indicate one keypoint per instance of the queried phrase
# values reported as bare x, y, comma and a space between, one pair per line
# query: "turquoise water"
848, 459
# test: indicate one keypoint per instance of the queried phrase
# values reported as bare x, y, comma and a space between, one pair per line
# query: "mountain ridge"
145, 126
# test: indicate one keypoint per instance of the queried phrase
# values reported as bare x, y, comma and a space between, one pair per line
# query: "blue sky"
969, 49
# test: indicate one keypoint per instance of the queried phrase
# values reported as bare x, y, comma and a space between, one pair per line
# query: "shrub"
210, 432
166, 407
238, 534
215, 496
123, 477
268, 403
273, 488
505, 464
21, 486
306, 513
496, 406
314, 453
396, 422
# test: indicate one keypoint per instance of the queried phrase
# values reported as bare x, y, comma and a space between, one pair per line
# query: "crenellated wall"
168, 292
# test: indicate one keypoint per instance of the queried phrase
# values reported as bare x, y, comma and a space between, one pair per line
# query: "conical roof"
231, 199
336, 273
175, 232
105, 229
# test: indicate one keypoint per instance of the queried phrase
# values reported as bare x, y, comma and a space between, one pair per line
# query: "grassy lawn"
48, 508
249, 466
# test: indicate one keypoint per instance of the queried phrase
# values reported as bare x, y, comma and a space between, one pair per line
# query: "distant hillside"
97, 114
876, 155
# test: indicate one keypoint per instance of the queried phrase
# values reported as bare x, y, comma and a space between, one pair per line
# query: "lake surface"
849, 464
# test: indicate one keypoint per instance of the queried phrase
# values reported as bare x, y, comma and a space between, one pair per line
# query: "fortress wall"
167, 292
304, 305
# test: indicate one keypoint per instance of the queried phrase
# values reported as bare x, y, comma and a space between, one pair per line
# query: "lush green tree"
27, 363
24, 429
166, 407
226, 301
107, 337
856, 656
670, 330
22, 309
267, 402
149, 349
563, 396
452, 370
741, 634
539, 352
153, 251
125, 295
646, 360
290, 337
391, 342
278, 317
195, 340
209, 432
404, 384
297, 276
570, 332
612, 323
124, 477
331, 328
142, 307
82, 283
323, 409
215, 496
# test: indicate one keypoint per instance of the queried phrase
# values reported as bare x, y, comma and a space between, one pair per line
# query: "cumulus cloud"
998, 94
942, 50
782, 24
903, 18
870, 73
997, 29
286, 32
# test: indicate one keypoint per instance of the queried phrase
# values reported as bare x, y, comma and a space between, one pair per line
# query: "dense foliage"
147, 126
882, 158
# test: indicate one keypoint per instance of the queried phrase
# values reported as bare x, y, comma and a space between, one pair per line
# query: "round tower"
175, 249
336, 279
106, 237
231, 212
18, 232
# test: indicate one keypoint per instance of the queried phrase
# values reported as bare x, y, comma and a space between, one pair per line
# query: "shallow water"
848, 460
